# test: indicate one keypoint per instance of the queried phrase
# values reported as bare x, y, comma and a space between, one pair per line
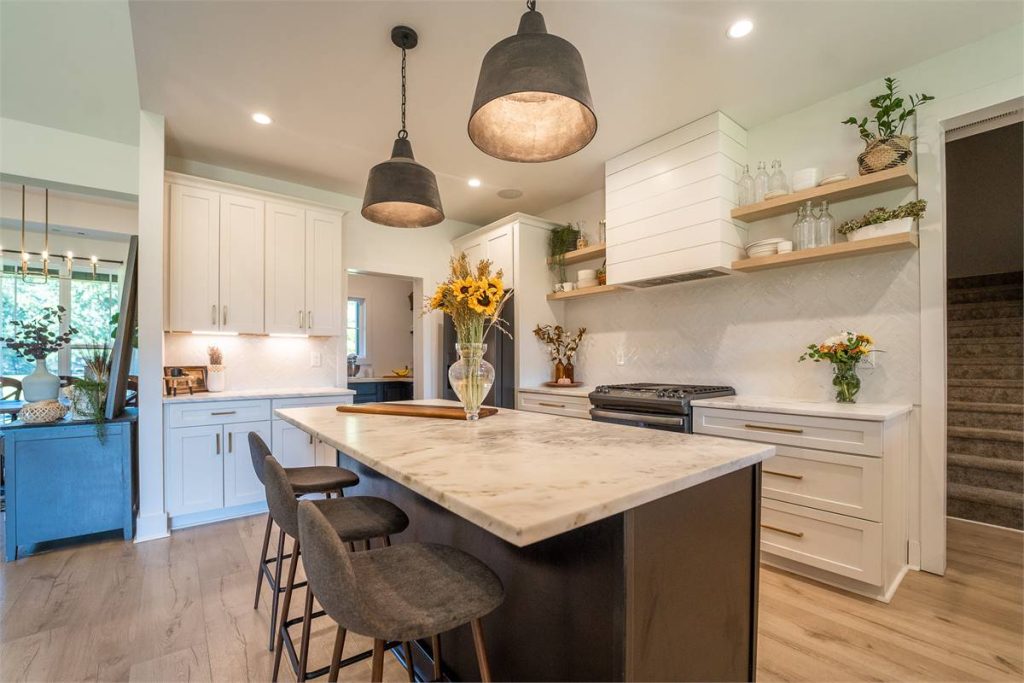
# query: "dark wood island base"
666, 591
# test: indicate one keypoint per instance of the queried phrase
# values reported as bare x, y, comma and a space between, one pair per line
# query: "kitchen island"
626, 554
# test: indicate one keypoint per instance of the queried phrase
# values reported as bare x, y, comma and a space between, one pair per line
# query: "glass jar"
777, 181
471, 377
799, 240
745, 189
825, 227
760, 182
809, 231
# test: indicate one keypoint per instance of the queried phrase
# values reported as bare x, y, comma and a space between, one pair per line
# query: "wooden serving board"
444, 412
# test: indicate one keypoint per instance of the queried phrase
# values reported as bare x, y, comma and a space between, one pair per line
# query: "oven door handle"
639, 417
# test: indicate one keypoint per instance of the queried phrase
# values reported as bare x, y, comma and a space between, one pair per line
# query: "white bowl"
582, 284
587, 274
806, 178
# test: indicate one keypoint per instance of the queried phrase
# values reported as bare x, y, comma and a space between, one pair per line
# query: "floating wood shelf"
860, 186
875, 245
590, 253
586, 291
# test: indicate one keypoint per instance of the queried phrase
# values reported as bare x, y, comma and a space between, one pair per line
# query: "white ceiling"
328, 75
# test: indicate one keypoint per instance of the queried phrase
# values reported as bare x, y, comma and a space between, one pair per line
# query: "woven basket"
883, 153
42, 411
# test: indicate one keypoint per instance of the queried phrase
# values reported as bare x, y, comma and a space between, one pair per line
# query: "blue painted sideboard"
62, 481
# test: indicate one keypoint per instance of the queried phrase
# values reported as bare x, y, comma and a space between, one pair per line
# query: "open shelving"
591, 253
584, 292
875, 245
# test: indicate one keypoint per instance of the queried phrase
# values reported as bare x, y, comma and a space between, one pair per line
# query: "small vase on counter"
471, 377
41, 385
846, 382
216, 371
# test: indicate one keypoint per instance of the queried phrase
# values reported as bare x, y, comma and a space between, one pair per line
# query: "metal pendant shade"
401, 192
532, 98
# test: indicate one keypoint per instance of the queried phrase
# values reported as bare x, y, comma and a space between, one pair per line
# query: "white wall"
589, 209
389, 322
69, 209
421, 255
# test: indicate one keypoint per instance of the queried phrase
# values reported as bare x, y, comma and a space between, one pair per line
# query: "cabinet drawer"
825, 433
836, 543
216, 412
835, 482
567, 406
310, 401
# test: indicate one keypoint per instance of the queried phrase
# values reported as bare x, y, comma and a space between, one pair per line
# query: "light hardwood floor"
181, 609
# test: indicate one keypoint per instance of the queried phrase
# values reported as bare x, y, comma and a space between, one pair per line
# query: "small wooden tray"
444, 412
556, 385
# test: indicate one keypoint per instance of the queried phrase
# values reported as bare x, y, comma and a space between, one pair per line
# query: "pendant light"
532, 98
401, 192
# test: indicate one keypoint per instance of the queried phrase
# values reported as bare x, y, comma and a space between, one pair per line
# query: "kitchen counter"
625, 553
238, 394
363, 380
583, 391
788, 406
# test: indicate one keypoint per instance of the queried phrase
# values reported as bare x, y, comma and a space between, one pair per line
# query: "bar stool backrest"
258, 450
331, 575
280, 496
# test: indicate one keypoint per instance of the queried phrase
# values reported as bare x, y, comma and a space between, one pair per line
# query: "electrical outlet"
315, 360
620, 356
870, 361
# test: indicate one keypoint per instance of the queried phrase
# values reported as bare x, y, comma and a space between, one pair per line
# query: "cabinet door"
324, 275
326, 455
195, 469
194, 262
475, 249
241, 264
241, 485
292, 447
500, 252
285, 304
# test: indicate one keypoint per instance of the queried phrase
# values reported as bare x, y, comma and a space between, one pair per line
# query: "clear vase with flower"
844, 351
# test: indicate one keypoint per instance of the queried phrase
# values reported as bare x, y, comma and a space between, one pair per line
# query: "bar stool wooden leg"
339, 646
377, 671
387, 541
407, 653
292, 565
481, 654
277, 586
435, 646
263, 560
307, 626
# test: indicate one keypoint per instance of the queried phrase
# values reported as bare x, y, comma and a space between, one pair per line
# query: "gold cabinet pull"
787, 475
550, 405
798, 534
231, 445
301, 319
770, 428
309, 318
217, 437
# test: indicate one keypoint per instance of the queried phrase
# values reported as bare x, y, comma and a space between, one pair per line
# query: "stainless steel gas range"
656, 406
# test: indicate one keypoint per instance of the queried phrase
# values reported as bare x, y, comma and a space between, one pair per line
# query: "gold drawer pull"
550, 405
769, 428
784, 474
798, 534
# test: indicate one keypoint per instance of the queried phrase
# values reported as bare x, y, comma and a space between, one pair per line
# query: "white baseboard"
151, 527
990, 526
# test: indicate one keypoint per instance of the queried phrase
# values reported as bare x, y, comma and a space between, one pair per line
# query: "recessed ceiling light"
262, 119
741, 28
474, 182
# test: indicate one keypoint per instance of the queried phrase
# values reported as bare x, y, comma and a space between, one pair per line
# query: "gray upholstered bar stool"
321, 479
357, 518
401, 593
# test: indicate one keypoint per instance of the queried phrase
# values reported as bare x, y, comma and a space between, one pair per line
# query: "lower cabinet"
554, 404
292, 446
378, 392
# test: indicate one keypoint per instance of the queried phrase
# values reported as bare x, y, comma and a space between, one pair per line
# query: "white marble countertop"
364, 380
528, 476
583, 391
291, 392
875, 412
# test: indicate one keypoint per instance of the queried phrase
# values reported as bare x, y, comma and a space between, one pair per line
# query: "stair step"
1012, 420
985, 368
978, 494
962, 295
984, 310
985, 347
1012, 328
981, 462
985, 390
985, 434
981, 407
992, 280
962, 469
988, 514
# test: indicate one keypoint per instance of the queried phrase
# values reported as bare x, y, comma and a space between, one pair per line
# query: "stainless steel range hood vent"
673, 279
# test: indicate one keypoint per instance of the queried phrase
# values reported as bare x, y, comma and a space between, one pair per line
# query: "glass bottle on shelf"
810, 221
777, 182
825, 227
760, 182
799, 237
745, 187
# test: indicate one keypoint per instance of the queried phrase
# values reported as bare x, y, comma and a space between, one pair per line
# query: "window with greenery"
356, 332
90, 303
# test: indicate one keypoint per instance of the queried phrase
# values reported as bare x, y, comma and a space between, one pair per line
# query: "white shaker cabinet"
292, 446
324, 275
496, 244
195, 473
241, 485
285, 269
194, 255
241, 265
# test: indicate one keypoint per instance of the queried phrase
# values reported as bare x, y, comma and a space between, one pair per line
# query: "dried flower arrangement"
215, 354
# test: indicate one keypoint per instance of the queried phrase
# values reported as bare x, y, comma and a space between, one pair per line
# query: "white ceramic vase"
41, 385
216, 377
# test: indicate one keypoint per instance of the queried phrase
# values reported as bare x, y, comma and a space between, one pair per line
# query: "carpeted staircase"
985, 465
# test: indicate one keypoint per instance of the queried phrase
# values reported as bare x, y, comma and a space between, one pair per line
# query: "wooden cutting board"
444, 412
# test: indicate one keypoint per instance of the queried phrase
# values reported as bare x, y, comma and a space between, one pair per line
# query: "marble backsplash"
256, 362
748, 330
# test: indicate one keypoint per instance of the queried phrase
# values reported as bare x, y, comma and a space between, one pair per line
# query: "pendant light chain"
403, 133
531, 5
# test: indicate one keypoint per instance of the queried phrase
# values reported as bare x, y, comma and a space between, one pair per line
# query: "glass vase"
846, 382
471, 377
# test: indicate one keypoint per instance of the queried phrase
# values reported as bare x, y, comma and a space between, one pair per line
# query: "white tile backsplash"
748, 330
256, 362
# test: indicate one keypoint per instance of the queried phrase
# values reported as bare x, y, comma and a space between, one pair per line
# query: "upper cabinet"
495, 244
251, 264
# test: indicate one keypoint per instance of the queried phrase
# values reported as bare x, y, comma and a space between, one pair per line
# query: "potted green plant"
844, 351
882, 221
886, 146
35, 340
87, 397
561, 240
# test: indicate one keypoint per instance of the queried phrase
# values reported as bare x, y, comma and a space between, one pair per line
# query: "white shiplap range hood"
667, 205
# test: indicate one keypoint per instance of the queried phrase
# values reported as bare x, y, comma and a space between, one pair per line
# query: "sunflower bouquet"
844, 351
473, 298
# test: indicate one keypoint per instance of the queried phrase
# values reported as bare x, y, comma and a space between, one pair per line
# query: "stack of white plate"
768, 247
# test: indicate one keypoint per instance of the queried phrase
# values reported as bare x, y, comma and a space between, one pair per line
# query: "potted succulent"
35, 340
216, 376
886, 146
881, 221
